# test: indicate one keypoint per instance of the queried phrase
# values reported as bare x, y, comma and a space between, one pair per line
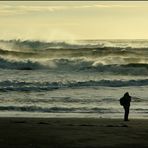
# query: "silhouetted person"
125, 102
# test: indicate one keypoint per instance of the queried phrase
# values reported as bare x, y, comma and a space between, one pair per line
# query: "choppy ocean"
84, 78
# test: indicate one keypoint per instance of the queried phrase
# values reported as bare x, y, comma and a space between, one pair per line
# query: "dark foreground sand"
73, 133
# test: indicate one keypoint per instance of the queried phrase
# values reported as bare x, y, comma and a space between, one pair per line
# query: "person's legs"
126, 109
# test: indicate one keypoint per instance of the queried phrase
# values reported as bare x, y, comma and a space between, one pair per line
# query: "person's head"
126, 94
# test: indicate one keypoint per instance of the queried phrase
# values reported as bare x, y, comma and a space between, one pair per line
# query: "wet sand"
72, 133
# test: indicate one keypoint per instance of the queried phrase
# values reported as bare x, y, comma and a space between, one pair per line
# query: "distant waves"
48, 86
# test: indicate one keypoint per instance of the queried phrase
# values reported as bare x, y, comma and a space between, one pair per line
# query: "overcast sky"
73, 20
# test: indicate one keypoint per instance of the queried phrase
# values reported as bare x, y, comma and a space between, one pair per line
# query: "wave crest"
35, 45
20, 65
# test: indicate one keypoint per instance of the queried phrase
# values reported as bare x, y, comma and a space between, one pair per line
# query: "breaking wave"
75, 64
116, 57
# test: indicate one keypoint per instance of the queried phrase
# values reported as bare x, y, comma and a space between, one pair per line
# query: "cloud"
23, 9
117, 6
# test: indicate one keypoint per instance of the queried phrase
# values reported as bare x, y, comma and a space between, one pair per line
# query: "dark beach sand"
73, 133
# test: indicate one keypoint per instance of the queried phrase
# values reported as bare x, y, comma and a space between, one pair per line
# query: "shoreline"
71, 115
23, 132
